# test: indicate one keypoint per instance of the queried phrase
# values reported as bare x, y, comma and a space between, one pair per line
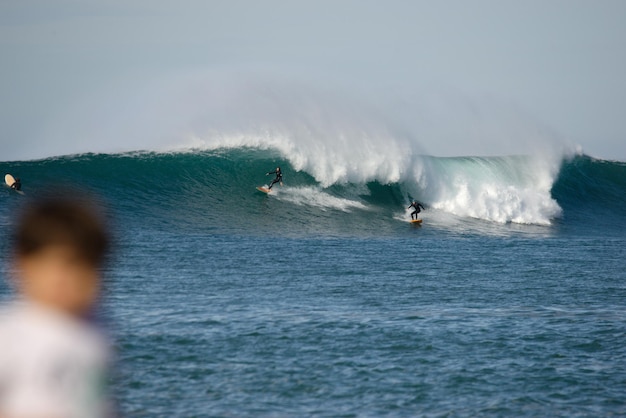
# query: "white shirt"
51, 365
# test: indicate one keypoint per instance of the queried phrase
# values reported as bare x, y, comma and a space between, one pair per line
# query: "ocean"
320, 299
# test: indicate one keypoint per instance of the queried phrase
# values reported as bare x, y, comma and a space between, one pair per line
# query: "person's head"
60, 244
277, 168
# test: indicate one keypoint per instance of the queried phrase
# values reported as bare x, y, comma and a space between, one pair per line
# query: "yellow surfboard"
263, 189
416, 221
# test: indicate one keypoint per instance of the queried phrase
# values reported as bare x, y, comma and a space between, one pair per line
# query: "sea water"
320, 299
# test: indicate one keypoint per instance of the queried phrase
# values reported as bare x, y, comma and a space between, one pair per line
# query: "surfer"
417, 205
17, 185
279, 177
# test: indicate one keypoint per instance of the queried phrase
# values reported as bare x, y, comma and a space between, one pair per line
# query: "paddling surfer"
17, 185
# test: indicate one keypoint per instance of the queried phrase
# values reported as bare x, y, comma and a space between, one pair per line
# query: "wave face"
593, 192
215, 190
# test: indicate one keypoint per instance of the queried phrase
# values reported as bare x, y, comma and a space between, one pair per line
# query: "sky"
462, 77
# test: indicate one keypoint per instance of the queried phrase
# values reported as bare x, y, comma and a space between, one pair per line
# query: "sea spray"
499, 189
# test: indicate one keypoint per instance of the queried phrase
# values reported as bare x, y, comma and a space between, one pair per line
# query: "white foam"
313, 196
498, 189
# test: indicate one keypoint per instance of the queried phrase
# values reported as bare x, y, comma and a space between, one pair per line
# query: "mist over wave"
337, 140
337, 144
198, 109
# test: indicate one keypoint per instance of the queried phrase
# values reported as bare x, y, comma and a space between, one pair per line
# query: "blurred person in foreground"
53, 361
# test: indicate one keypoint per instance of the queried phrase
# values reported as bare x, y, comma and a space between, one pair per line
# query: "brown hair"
68, 221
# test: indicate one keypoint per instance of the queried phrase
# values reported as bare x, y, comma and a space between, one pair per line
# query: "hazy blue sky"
502, 69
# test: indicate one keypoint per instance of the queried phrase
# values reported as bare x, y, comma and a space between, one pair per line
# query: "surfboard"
9, 180
263, 189
416, 221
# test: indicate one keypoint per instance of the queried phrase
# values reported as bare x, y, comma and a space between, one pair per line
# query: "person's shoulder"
47, 327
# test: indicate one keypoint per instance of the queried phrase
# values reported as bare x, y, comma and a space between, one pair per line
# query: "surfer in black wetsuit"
279, 177
417, 205
17, 185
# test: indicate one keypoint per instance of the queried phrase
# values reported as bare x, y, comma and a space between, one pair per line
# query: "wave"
215, 190
498, 189
593, 191
343, 154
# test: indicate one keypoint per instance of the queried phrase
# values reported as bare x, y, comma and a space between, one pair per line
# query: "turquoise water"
324, 301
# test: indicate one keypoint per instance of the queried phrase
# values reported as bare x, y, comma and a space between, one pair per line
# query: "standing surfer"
279, 177
417, 205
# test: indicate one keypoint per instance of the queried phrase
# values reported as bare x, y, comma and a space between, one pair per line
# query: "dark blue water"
226, 302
